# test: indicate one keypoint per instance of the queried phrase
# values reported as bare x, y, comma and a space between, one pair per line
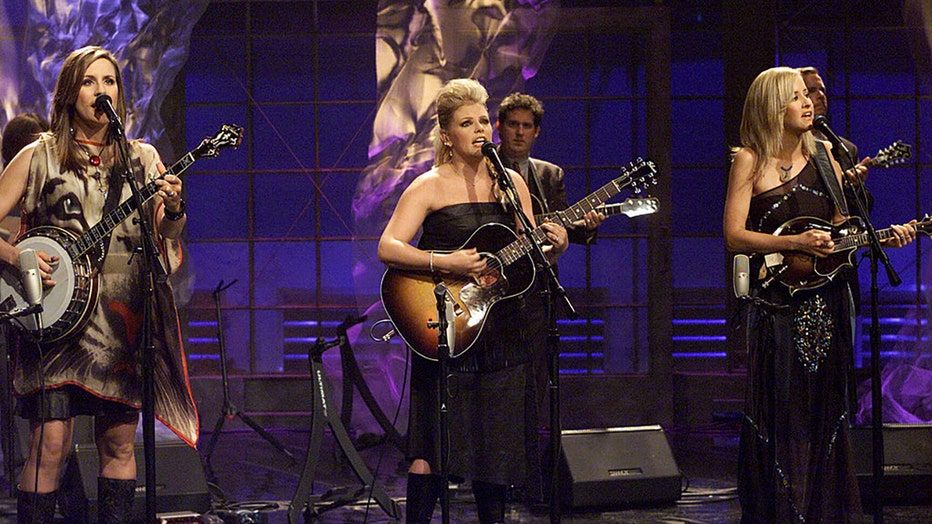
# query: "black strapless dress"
492, 410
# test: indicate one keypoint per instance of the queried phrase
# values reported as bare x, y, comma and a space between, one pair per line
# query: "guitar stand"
352, 376
230, 410
302, 502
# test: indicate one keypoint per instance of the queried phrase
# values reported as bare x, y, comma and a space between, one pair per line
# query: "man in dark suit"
819, 98
518, 124
519, 119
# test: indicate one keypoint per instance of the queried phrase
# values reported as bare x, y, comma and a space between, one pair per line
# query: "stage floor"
255, 482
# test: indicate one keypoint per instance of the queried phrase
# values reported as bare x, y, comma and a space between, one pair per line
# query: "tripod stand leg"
214, 437
388, 505
265, 434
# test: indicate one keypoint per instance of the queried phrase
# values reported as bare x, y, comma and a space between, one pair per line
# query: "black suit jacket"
546, 184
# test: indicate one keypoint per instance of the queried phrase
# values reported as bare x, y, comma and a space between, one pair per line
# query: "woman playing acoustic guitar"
492, 427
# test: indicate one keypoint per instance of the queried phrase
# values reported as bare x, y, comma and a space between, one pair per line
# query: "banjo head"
65, 304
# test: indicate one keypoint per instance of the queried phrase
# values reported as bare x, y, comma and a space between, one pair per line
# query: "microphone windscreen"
32, 278
741, 275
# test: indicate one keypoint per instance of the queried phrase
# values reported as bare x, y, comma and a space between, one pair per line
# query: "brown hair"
20, 132
67, 88
521, 101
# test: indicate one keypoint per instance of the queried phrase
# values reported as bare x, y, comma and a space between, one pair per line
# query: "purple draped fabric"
419, 46
149, 38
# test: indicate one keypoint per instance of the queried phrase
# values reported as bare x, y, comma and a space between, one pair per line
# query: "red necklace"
93, 159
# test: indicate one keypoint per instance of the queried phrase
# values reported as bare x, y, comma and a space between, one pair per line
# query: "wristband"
175, 215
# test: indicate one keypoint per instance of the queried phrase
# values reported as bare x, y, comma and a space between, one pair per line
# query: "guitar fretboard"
114, 218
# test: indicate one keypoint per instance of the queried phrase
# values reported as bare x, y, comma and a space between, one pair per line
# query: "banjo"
67, 305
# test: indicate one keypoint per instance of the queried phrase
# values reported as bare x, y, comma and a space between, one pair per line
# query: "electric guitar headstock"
641, 175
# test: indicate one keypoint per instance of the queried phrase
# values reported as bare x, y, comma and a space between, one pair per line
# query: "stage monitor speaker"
625, 466
907, 469
181, 484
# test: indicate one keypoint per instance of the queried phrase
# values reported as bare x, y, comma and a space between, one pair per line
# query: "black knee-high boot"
115, 500
490, 501
35, 508
422, 494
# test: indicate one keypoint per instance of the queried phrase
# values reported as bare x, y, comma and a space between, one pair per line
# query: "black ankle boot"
35, 508
422, 494
490, 501
115, 500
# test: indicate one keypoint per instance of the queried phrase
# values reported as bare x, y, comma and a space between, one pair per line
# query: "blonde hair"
453, 95
764, 111
67, 88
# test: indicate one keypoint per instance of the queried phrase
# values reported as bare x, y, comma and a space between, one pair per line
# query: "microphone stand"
554, 292
876, 254
443, 356
229, 409
154, 272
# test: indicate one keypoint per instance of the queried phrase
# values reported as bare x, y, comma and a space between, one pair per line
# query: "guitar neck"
578, 210
522, 246
115, 217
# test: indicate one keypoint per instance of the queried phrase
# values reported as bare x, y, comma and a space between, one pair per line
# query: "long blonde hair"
764, 111
453, 95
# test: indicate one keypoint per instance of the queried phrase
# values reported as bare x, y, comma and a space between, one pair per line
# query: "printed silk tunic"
104, 357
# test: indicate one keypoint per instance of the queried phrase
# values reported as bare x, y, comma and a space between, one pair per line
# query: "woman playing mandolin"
795, 462
66, 181
492, 429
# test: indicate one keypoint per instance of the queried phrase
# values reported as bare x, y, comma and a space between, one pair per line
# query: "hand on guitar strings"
592, 220
170, 191
556, 235
858, 174
468, 262
901, 235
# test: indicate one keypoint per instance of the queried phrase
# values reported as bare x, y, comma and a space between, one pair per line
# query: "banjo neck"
115, 217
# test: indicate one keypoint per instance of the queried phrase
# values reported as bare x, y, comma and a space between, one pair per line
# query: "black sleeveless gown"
492, 410
795, 462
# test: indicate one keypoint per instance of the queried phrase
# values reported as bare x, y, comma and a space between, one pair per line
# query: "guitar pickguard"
480, 295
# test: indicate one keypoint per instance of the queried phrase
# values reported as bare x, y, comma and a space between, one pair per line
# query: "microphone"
104, 104
821, 123
32, 282
741, 279
490, 150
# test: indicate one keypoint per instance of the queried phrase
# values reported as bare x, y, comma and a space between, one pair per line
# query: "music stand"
321, 415
229, 409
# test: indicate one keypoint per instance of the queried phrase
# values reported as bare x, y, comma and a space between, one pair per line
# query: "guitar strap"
114, 192
827, 172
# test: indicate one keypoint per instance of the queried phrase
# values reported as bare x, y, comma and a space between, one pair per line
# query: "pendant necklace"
94, 160
785, 175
